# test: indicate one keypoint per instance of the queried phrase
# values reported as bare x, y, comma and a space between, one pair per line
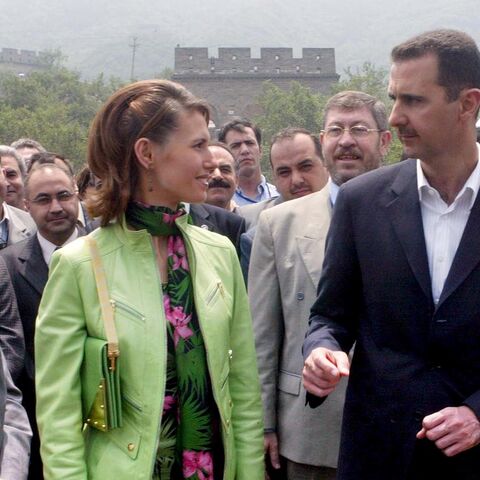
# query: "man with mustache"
223, 180
216, 215
285, 267
53, 205
401, 277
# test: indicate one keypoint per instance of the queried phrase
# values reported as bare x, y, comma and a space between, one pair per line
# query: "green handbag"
100, 375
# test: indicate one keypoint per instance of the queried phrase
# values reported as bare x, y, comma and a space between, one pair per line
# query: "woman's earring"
150, 178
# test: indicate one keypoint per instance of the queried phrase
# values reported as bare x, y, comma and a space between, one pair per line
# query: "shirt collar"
334, 188
261, 187
472, 184
4, 227
6, 212
48, 247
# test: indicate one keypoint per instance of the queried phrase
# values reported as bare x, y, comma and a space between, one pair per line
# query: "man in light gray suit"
284, 272
15, 432
298, 170
15, 224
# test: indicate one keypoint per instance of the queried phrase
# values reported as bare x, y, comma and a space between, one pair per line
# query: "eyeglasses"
44, 200
357, 131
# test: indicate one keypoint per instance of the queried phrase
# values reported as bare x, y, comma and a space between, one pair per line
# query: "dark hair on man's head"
290, 133
41, 168
352, 100
84, 179
147, 109
457, 53
42, 158
239, 125
215, 143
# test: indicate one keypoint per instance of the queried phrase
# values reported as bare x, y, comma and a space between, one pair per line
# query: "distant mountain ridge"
97, 35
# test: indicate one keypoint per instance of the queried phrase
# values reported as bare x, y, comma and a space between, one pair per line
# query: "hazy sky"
97, 35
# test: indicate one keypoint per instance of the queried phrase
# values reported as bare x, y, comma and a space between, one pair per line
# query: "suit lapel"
406, 217
467, 256
200, 217
311, 241
17, 230
32, 266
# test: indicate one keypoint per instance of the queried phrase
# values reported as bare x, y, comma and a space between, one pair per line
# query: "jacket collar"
406, 218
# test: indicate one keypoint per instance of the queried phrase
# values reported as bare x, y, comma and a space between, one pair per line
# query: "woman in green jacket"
190, 398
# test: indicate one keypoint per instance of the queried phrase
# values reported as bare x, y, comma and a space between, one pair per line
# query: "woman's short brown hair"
146, 109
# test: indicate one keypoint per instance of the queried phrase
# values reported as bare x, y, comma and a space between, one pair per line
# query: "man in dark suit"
401, 277
53, 205
218, 220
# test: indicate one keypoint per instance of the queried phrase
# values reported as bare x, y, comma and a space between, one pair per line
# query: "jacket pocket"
289, 382
126, 310
214, 292
131, 330
217, 301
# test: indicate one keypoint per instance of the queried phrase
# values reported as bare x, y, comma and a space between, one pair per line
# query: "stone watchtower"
22, 62
232, 82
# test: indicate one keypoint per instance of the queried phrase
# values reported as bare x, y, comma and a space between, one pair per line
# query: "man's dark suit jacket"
412, 357
11, 331
29, 274
218, 220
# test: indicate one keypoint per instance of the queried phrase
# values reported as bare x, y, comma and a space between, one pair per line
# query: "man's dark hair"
239, 126
214, 143
290, 133
457, 53
49, 157
44, 166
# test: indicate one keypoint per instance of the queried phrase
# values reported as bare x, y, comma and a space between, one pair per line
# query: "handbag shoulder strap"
105, 304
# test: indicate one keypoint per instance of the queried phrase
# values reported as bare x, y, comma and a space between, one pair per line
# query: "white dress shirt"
443, 224
48, 247
334, 188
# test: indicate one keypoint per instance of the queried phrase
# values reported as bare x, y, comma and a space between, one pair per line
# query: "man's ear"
321, 136
469, 103
385, 141
143, 149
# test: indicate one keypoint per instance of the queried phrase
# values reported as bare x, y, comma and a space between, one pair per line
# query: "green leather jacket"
70, 311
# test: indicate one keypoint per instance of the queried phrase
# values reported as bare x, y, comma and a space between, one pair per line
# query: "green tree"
166, 73
53, 106
368, 78
296, 107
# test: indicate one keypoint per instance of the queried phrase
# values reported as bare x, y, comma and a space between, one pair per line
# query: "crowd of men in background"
389, 260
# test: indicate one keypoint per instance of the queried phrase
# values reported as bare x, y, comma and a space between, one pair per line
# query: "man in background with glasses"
355, 137
53, 204
285, 267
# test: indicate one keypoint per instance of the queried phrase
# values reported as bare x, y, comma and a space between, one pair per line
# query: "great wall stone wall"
21, 61
232, 81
